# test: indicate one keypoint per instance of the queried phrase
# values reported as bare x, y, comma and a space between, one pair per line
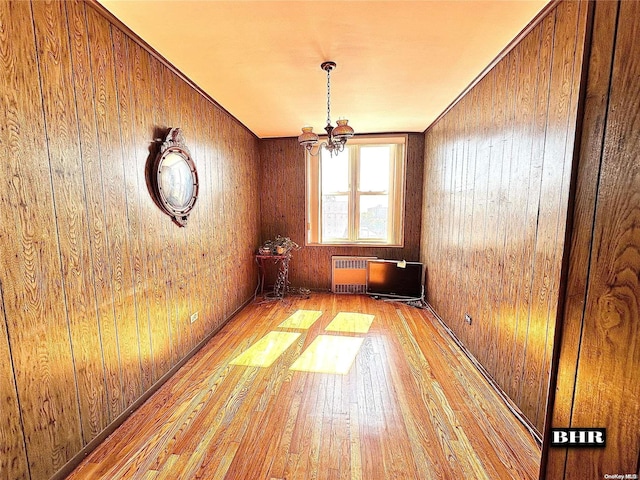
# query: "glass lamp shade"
342, 131
307, 137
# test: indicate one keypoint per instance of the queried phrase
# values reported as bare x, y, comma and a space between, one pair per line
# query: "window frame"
313, 193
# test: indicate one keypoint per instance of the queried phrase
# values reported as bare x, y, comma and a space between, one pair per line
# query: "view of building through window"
375, 183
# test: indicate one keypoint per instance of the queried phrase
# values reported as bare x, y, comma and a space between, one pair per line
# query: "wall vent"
349, 274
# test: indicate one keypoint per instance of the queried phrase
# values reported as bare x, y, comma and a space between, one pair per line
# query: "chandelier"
336, 136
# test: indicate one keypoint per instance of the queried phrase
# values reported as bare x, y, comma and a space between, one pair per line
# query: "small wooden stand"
282, 282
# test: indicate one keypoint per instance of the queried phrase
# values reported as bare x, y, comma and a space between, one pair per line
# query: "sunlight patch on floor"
266, 350
329, 354
349, 322
302, 319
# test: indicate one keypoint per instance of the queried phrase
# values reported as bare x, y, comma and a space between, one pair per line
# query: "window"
357, 196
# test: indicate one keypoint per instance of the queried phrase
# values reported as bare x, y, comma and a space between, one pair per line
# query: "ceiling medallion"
336, 136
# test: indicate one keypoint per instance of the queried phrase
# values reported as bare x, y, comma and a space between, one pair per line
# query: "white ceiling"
400, 63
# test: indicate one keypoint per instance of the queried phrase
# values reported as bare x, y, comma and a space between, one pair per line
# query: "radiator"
349, 274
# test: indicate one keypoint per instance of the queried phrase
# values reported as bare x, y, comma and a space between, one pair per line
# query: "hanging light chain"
328, 96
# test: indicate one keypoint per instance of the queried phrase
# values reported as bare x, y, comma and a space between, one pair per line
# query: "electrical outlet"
467, 318
194, 317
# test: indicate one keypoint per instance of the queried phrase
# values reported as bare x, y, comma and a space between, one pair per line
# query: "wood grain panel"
180, 239
503, 323
209, 262
518, 168
558, 153
227, 203
172, 241
497, 201
88, 142
609, 354
520, 112
52, 41
218, 206
246, 182
185, 236
145, 128
165, 110
224, 178
581, 12
13, 457
527, 239
162, 311
480, 214
588, 169
133, 167
203, 259
468, 191
33, 295
177, 243
114, 191
282, 194
187, 100
493, 243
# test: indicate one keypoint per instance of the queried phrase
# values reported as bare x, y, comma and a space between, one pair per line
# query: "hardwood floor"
411, 406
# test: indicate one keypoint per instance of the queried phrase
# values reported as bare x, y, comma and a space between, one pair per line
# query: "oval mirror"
176, 179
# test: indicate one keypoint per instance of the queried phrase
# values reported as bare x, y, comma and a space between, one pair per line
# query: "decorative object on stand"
336, 136
278, 246
174, 178
279, 251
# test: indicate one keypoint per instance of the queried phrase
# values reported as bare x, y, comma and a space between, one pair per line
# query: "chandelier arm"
318, 147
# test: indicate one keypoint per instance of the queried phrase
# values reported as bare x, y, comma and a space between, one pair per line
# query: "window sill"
358, 245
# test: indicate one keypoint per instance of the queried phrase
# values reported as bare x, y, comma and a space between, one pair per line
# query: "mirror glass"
175, 180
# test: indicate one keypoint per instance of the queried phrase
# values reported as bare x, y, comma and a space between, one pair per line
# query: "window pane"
374, 216
335, 171
335, 217
374, 168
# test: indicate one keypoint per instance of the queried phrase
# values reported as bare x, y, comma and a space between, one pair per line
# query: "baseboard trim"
113, 426
533, 431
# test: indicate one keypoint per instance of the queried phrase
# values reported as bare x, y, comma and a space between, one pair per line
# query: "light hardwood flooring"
410, 407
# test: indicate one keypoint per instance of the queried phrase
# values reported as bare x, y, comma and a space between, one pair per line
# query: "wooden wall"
283, 211
96, 283
598, 379
496, 193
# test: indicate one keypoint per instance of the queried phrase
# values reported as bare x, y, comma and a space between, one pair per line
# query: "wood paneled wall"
283, 211
97, 284
496, 194
598, 380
